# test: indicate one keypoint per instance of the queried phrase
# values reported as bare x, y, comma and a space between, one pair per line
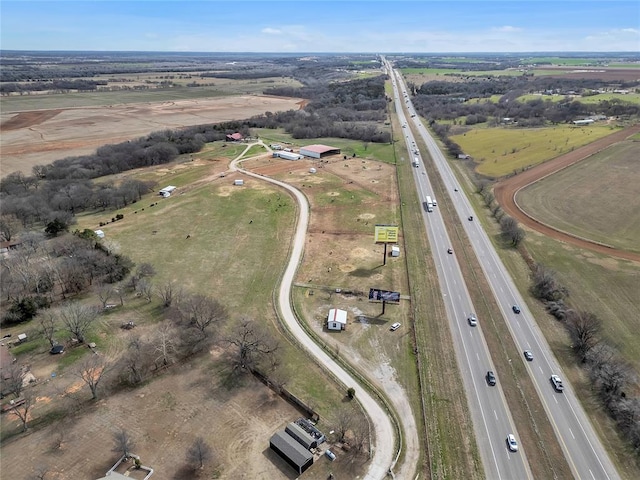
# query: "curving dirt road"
506, 191
383, 459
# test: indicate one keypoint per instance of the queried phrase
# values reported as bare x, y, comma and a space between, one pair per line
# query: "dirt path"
506, 191
383, 458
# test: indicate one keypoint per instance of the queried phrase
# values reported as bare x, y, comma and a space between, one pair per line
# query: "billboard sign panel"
383, 295
386, 234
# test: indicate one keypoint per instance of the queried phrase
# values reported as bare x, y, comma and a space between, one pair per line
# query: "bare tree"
251, 344
584, 328
122, 442
21, 409
202, 312
9, 226
12, 379
77, 319
343, 420
41, 472
169, 294
145, 289
48, 327
105, 292
92, 370
545, 286
488, 198
144, 270
135, 361
164, 347
199, 453
361, 434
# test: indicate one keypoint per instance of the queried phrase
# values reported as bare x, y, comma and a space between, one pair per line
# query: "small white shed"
312, 170
238, 181
167, 191
99, 233
337, 319
395, 251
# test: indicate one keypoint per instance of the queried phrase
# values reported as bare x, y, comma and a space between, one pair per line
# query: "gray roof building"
291, 451
303, 438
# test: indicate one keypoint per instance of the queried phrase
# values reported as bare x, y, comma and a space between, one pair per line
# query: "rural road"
383, 447
507, 190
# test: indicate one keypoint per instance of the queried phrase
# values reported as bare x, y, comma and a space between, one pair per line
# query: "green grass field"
627, 98
602, 285
603, 203
501, 151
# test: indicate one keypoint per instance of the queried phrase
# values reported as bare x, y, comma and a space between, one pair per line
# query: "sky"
361, 26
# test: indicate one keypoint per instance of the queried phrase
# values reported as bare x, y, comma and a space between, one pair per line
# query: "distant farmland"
595, 199
501, 151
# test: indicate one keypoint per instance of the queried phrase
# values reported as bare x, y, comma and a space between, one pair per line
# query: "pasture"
501, 151
599, 284
595, 199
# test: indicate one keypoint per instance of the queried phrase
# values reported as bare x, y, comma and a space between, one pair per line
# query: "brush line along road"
581, 446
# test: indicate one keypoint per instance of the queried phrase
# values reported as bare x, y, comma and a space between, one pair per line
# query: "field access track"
505, 193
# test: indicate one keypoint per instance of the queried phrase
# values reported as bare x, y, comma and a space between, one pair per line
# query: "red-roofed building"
318, 151
235, 137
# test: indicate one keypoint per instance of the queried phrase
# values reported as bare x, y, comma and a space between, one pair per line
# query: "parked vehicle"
395, 326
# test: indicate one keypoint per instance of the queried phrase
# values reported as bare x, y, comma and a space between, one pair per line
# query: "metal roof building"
318, 151
291, 451
303, 438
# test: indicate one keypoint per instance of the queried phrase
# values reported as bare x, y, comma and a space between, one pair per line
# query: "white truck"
429, 204
416, 162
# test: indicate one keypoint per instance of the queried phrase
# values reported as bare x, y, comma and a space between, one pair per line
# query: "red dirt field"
43, 136
506, 191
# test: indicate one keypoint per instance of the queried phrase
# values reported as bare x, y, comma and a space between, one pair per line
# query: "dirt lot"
506, 190
163, 417
40, 137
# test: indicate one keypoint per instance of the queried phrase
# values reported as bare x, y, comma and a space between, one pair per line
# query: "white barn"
337, 319
287, 155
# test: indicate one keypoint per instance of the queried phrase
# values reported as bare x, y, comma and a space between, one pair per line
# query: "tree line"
611, 378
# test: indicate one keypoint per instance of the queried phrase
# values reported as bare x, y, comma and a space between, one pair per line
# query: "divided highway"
581, 446
491, 417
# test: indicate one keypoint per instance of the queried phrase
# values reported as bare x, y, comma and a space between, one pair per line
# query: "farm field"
596, 199
628, 98
501, 151
40, 137
238, 238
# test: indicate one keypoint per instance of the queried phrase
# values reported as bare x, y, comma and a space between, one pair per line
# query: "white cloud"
506, 28
271, 31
